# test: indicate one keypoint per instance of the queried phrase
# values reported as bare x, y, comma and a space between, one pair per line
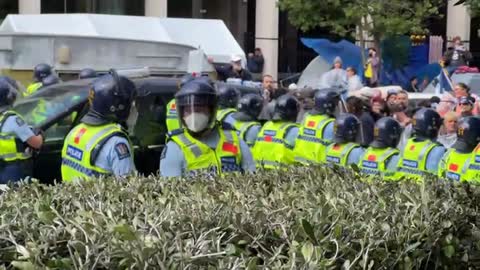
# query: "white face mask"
196, 122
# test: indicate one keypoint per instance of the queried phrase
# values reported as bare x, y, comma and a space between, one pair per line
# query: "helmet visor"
197, 112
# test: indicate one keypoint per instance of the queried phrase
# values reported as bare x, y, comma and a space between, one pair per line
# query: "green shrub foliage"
302, 218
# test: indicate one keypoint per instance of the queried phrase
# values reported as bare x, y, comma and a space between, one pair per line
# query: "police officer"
40, 72
421, 154
17, 139
276, 140
202, 146
245, 120
461, 162
228, 97
100, 145
87, 73
172, 121
316, 132
50, 80
381, 158
344, 150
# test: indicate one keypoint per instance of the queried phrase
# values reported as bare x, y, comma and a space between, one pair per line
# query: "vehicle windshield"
48, 104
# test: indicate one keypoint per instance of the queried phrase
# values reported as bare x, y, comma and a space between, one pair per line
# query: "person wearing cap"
344, 151
448, 132
381, 158
422, 153
336, 77
462, 161
234, 70
466, 106
202, 146
460, 91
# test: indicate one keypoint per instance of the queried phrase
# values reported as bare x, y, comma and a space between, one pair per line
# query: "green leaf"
308, 229
252, 264
23, 265
125, 232
449, 251
307, 251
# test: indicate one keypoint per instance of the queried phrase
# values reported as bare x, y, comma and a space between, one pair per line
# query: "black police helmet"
50, 80
286, 108
228, 96
87, 73
249, 107
111, 98
197, 93
326, 101
10, 81
346, 128
8, 94
426, 123
41, 71
468, 134
387, 133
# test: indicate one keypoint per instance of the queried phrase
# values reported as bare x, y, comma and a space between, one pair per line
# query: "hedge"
303, 218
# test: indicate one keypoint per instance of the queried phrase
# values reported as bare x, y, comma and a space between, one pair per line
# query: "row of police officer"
100, 145
322, 138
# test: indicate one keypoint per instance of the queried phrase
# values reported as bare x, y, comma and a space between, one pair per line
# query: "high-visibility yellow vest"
222, 113
271, 150
310, 146
338, 153
413, 159
374, 160
243, 128
454, 165
200, 158
11, 148
80, 148
172, 120
472, 174
32, 88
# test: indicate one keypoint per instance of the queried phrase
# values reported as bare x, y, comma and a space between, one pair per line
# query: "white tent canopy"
212, 36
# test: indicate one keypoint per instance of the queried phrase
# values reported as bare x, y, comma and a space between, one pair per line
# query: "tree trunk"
362, 42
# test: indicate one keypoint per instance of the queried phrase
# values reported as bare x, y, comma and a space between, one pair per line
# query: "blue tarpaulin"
417, 64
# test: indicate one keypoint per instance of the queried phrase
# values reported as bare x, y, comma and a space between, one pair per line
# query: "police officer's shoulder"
118, 140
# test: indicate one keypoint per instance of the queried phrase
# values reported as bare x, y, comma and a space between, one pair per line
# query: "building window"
7, 7
120, 7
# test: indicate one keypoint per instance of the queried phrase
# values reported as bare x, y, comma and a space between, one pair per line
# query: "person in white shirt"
354, 83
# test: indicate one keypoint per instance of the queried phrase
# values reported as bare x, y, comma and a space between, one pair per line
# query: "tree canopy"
473, 6
378, 18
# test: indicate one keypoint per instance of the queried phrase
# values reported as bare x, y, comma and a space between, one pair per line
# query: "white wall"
156, 8
29, 6
266, 34
458, 22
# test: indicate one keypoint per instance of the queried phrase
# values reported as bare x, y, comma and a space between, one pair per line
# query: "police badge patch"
122, 151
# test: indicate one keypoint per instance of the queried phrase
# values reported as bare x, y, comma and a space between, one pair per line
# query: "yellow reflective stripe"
387, 154
89, 146
194, 148
424, 152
